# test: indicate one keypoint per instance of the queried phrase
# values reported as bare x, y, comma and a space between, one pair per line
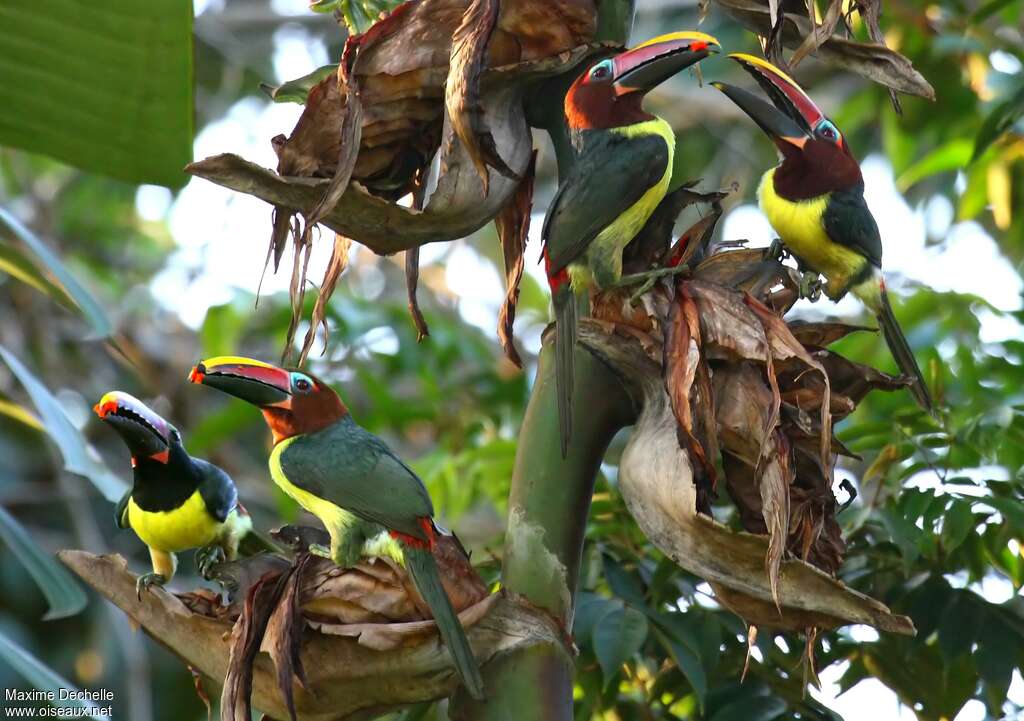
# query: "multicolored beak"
253, 381
792, 118
146, 434
653, 62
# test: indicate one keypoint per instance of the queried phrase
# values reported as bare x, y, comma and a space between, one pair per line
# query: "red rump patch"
414, 542
559, 279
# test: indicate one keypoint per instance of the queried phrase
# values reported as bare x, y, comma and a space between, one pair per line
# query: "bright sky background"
222, 237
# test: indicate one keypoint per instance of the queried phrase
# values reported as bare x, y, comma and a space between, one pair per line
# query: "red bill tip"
102, 409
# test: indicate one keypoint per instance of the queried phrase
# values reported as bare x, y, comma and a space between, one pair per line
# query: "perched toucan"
621, 172
814, 199
176, 502
370, 502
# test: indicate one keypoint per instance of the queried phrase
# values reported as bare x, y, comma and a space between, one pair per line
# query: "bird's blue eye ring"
602, 70
827, 130
301, 382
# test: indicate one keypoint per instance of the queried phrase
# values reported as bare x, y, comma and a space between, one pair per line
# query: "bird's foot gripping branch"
339, 641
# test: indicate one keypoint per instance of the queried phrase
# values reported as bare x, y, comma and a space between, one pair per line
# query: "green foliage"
62, 592
79, 456
40, 268
103, 86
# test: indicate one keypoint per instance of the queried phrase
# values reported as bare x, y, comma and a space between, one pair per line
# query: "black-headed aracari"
176, 502
622, 171
371, 503
814, 199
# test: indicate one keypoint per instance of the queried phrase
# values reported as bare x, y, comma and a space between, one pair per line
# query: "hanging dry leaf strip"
412, 270
513, 224
282, 638
335, 267
462, 89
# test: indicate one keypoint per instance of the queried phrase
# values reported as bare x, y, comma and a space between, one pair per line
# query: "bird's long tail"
878, 301
565, 359
419, 561
564, 301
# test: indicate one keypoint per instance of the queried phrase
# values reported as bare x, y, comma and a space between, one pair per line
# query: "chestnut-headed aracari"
371, 503
176, 502
814, 199
622, 170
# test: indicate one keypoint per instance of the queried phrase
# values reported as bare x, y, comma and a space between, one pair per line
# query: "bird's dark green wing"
121, 510
355, 470
849, 222
611, 173
216, 488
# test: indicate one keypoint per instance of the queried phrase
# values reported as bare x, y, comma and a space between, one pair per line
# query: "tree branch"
345, 678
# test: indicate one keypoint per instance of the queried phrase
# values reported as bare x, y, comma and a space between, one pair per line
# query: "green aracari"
176, 502
621, 172
371, 503
814, 199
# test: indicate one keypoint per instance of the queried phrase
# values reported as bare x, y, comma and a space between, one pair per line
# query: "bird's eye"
602, 70
301, 383
828, 131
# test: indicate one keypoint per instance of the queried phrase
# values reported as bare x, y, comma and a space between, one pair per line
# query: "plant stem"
548, 507
549, 500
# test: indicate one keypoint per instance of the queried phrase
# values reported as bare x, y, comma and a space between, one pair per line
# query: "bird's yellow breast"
801, 226
335, 518
608, 244
189, 525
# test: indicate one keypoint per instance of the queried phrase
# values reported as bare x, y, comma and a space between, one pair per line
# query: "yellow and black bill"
791, 119
651, 63
253, 381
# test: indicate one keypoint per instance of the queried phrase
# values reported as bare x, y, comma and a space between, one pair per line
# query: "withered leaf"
513, 224
235, 703
855, 380
412, 270
773, 43
682, 362
875, 62
693, 243
775, 475
412, 282
297, 287
282, 638
784, 347
821, 334
871, 11
335, 267
348, 151
819, 34
744, 269
462, 89
197, 682
730, 331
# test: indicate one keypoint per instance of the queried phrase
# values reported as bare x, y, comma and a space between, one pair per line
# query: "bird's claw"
648, 278
207, 558
776, 251
810, 286
147, 580
321, 550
